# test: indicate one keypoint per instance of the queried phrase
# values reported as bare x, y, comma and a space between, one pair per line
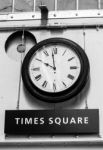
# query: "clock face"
55, 70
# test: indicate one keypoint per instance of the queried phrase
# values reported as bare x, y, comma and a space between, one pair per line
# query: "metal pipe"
13, 6
99, 4
21, 61
84, 42
55, 5
77, 4
34, 5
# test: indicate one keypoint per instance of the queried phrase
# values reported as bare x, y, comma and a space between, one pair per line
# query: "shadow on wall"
15, 40
73, 103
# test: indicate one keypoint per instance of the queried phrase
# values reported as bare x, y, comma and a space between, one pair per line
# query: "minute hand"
53, 61
45, 63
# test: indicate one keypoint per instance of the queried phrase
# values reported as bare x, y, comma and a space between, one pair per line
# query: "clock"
55, 70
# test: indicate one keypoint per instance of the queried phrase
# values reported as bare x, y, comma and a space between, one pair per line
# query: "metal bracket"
44, 14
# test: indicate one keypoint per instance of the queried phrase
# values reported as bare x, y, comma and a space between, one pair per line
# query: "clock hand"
49, 65
45, 63
53, 61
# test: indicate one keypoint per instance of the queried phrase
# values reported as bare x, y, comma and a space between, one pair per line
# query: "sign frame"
52, 122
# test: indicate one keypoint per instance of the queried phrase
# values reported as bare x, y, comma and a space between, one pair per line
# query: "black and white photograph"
51, 74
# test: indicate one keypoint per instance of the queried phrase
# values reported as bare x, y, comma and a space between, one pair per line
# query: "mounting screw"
55, 15
12, 17
98, 14
33, 16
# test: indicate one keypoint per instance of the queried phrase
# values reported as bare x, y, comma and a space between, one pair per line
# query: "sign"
36, 122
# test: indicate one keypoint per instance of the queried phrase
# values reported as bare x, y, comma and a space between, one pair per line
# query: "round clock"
55, 70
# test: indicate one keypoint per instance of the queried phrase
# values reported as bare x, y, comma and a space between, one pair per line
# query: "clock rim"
65, 94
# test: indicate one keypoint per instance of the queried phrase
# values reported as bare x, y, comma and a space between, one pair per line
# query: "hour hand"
45, 63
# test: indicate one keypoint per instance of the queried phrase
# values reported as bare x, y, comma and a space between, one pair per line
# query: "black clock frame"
63, 95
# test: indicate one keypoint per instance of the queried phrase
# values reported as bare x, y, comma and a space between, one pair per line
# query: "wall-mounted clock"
55, 70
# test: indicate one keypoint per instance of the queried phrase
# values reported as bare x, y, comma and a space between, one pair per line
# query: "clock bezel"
65, 94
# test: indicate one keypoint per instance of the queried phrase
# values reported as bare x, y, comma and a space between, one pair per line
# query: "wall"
33, 5
10, 75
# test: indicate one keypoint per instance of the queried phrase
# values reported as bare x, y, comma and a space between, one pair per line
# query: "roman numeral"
64, 52
38, 77
70, 76
73, 67
36, 69
71, 58
46, 53
44, 84
64, 84
54, 87
55, 50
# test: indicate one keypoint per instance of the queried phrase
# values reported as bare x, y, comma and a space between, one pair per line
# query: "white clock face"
54, 68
